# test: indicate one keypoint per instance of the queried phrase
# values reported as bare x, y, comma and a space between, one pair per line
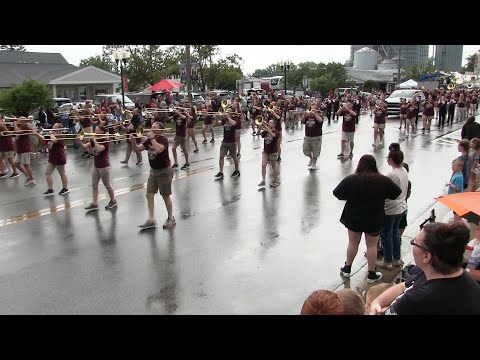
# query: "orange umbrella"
465, 204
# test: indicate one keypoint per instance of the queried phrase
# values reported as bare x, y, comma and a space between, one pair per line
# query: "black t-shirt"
449, 296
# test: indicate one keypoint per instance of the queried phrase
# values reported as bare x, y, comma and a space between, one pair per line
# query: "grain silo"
365, 59
387, 65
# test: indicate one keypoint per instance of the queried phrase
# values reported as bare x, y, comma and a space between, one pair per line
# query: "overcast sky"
254, 56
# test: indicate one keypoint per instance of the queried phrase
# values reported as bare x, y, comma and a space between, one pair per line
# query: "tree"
23, 99
13, 48
271, 70
98, 62
470, 65
224, 73
203, 55
414, 71
370, 85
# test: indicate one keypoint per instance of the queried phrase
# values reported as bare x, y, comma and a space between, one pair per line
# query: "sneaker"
31, 182
350, 156
346, 271
219, 175
384, 265
169, 223
185, 167
91, 207
123, 162
175, 166
274, 184
254, 133
279, 159
14, 175
398, 263
374, 276
236, 173
238, 155
310, 164
340, 155
212, 141
111, 205
195, 151
64, 191
49, 192
148, 225
139, 163
262, 183
3, 175
204, 141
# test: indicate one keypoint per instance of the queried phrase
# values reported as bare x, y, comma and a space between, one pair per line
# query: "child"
403, 221
463, 148
374, 292
473, 155
455, 185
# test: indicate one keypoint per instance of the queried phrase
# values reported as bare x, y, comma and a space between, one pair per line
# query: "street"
235, 249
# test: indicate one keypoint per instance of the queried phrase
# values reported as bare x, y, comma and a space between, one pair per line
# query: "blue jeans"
391, 237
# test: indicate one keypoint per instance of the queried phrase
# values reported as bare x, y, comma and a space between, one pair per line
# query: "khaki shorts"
312, 145
160, 180
271, 157
23, 158
50, 168
191, 131
229, 147
207, 127
101, 173
180, 140
379, 126
348, 136
7, 154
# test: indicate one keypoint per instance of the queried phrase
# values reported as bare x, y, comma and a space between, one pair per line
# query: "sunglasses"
412, 242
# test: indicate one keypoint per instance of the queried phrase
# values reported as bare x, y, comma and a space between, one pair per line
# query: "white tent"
409, 84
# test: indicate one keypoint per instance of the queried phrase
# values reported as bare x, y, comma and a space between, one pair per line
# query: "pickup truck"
393, 101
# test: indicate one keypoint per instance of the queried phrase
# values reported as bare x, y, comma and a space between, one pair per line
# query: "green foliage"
98, 62
13, 48
370, 85
25, 98
469, 66
224, 73
414, 71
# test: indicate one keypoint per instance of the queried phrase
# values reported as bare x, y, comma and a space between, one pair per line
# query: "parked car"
393, 101
197, 98
129, 104
60, 101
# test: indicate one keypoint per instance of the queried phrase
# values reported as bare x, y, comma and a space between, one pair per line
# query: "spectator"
352, 302
442, 287
463, 148
322, 302
365, 193
470, 129
373, 293
473, 155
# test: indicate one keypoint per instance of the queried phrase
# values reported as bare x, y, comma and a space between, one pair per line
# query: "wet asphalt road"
234, 250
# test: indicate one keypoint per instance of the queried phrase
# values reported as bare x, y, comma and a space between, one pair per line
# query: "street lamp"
121, 56
285, 66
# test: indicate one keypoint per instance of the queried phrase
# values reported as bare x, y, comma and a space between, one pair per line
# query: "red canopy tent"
165, 85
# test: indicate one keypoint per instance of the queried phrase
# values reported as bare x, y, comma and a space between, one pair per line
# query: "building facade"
410, 54
448, 57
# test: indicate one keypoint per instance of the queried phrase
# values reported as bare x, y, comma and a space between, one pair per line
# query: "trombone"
17, 132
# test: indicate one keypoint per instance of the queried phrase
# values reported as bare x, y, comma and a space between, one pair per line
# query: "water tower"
365, 59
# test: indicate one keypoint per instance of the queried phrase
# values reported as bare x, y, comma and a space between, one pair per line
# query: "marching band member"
101, 168
56, 160
348, 128
228, 145
208, 125
270, 151
7, 151
312, 142
256, 110
180, 138
412, 108
24, 149
379, 121
161, 174
191, 120
87, 126
427, 113
239, 125
132, 129
275, 114
403, 113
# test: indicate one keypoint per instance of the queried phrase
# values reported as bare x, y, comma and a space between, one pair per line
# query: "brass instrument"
451, 86
17, 132
469, 86
259, 119
20, 119
156, 110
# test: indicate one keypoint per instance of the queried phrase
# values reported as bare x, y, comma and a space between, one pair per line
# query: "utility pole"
399, 63
189, 75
